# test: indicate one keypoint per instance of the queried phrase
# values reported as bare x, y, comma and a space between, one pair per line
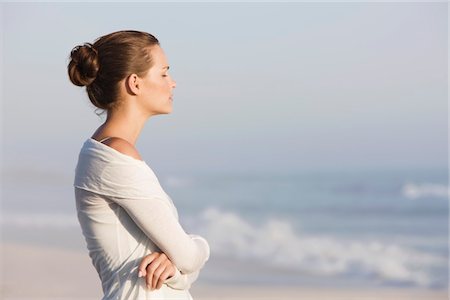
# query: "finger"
157, 275
159, 265
145, 262
151, 268
164, 271
163, 278
172, 269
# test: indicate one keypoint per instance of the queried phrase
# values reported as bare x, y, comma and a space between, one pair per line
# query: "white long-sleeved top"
125, 215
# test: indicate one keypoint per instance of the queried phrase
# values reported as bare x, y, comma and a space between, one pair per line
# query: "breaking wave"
426, 190
275, 243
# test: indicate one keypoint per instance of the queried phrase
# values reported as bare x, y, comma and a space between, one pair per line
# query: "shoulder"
123, 146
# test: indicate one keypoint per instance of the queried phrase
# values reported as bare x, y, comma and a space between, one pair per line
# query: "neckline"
117, 152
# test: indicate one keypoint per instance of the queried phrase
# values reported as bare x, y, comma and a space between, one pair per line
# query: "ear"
132, 83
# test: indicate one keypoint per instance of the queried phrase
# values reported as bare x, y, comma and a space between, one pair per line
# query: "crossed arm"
158, 269
183, 255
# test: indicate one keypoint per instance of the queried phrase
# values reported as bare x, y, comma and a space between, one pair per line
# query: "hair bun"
84, 65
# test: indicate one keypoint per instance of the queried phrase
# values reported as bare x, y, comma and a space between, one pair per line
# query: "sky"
276, 87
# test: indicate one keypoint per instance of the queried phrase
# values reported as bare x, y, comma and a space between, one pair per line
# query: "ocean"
373, 228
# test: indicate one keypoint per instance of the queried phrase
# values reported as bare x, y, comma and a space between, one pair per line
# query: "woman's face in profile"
158, 85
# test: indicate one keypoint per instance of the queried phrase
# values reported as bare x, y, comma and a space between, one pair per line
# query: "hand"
156, 267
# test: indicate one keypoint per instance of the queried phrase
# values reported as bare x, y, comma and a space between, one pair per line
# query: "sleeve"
182, 281
156, 219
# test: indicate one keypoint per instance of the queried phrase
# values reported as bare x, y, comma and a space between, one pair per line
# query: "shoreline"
30, 272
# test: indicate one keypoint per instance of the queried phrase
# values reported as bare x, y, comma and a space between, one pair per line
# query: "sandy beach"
38, 272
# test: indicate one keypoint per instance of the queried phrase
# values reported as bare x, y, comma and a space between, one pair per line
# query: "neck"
126, 123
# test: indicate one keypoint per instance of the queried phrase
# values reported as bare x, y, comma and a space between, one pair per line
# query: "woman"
130, 224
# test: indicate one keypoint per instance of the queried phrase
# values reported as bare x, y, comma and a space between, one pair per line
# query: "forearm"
186, 251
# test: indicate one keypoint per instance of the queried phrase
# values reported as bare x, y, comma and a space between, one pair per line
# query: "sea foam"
277, 244
425, 190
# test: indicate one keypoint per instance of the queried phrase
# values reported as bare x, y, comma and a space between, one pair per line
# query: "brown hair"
100, 66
